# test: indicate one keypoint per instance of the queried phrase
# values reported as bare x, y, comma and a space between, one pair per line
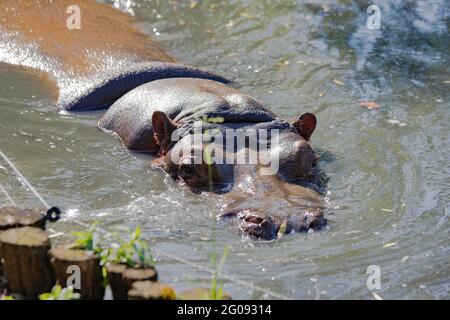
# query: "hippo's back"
182, 99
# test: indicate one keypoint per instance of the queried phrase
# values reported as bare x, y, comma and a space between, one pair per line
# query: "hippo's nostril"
253, 219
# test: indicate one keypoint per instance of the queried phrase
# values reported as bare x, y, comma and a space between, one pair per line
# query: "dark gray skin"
267, 207
110, 87
145, 118
130, 117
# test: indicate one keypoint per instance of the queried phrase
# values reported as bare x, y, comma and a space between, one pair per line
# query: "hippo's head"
187, 161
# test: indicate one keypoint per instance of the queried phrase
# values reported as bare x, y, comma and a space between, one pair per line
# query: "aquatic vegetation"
88, 240
59, 293
216, 288
133, 252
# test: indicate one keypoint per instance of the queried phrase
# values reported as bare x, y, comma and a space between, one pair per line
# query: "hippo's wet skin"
266, 206
146, 119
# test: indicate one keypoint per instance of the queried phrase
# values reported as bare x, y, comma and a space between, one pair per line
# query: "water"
388, 169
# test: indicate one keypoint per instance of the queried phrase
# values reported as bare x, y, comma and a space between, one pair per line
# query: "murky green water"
388, 169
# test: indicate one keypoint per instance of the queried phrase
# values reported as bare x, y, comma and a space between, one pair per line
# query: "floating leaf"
390, 244
339, 82
376, 296
246, 15
282, 229
405, 258
394, 121
371, 105
193, 5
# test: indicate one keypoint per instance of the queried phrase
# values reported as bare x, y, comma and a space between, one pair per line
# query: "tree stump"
150, 290
12, 217
121, 278
3, 286
90, 271
26, 264
199, 294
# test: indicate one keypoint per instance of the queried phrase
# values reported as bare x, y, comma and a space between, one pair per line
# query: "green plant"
216, 289
88, 240
7, 298
59, 293
134, 252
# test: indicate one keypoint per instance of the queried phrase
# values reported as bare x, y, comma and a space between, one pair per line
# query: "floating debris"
352, 232
246, 15
193, 5
339, 82
371, 105
389, 245
387, 210
396, 122
376, 296
404, 259
282, 229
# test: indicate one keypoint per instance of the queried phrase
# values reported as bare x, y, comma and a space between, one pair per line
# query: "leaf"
339, 82
371, 105
282, 229
193, 5
376, 296
246, 15
389, 245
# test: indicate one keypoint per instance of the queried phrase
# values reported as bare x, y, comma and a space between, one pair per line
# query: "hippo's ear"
305, 125
162, 130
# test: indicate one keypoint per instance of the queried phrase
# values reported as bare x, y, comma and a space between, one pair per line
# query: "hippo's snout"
256, 225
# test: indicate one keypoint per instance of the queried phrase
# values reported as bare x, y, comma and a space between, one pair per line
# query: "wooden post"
26, 264
90, 281
121, 278
150, 290
3, 284
115, 272
12, 217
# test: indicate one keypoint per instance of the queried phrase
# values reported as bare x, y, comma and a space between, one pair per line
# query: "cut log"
121, 278
26, 265
115, 272
12, 217
199, 294
87, 267
150, 290
3, 286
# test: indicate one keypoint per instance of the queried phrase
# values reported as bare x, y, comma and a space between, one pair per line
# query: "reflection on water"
388, 169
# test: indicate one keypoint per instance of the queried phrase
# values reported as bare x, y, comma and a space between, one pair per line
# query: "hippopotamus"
154, 104
147, 118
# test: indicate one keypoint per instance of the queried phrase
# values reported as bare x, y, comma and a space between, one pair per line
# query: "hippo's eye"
187, 170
